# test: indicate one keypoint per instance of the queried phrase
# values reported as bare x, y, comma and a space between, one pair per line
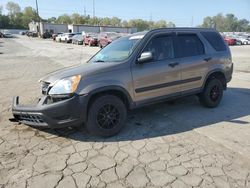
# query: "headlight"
65, 86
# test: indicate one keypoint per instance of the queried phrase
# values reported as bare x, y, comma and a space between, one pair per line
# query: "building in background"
72, 28
49, 27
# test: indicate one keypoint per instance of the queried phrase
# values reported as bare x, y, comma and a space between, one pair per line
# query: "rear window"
189, 45
215, 40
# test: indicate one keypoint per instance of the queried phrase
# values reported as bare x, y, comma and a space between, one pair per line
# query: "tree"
208, 22
14, 13
29, 14
170, 24
140, 24
228, 23
115, 21
13, 8
77, 19
64, 19
160, 24
4, 22
243, 25
105, 21
52, 20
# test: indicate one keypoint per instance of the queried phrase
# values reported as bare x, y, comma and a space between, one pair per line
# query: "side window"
161, 47
189, 45
215, 40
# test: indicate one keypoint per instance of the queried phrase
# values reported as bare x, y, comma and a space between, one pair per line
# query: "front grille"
45, 87
29, 118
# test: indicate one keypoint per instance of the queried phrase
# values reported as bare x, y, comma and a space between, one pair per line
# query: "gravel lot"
164, 145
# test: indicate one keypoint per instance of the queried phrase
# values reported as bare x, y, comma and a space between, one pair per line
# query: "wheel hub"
108, 117
215, 93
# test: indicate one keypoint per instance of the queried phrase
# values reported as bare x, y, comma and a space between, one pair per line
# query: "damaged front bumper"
52, 113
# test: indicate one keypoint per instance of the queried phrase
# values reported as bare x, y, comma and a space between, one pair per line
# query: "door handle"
173, 64
207, 59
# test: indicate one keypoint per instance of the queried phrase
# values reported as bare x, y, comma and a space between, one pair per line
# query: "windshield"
117, 51
77, 36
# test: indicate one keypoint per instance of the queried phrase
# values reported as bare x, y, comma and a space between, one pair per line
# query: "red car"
230, 41
91, 39
107, 37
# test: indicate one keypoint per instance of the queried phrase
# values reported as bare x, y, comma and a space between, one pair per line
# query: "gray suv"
133, 71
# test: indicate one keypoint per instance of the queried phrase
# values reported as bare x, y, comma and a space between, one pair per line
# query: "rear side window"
189, 45
215, 40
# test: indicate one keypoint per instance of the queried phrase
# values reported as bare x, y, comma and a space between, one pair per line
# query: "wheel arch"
219, 74
111, 90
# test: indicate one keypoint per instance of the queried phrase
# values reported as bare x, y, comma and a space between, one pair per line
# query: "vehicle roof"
174, 29
194, 29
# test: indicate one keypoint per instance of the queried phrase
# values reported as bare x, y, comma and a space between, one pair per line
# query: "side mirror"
145, 56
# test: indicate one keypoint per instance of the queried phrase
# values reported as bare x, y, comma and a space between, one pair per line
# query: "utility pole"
39, 19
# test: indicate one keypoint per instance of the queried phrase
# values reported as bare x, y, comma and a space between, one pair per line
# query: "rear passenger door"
193, 63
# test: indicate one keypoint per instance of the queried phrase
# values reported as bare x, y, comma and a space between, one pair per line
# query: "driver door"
158, 77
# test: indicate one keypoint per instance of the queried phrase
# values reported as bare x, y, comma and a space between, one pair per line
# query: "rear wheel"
212, 93
106, 116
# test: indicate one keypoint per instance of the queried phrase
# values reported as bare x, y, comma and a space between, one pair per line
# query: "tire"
100, 122
212, 93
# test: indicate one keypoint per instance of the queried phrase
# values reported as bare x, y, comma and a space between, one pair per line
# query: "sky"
181, 12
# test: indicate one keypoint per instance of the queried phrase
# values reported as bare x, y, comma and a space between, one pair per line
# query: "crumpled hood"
83, 70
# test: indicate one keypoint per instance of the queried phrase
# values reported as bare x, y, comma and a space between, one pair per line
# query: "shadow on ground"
180, 116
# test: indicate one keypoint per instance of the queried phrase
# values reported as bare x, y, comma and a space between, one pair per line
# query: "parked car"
67, 37
243, 40
59, 38
106, 38
55, 35
91, 39
230, 41
22, 33
46, 35
77, 39
32, 34
132, 72
7, 35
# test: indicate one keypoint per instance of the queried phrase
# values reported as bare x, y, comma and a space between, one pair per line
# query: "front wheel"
212, 93
106, 116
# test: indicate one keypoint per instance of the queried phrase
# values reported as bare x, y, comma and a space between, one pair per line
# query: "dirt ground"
177, 144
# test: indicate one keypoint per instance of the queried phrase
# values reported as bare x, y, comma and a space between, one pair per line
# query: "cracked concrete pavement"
178, 144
